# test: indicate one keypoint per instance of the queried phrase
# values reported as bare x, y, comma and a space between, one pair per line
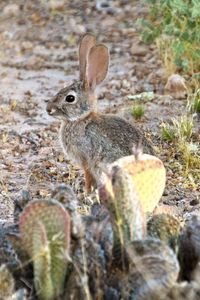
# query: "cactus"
64, 194
6, 283
45, 234
128, 220
166, 228
189, 249
184, 291
153, 270
148, 177
134, 187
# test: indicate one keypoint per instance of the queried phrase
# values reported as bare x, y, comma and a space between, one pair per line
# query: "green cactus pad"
45, 233
42, 262
148, 177
128, 219
6, 283
164, 227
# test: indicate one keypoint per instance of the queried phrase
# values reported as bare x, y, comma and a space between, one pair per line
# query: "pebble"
194, 202
11, 10
57, 5
27, 45
139, 50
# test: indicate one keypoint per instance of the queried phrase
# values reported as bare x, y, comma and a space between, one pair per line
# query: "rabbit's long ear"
87, 42
97, 67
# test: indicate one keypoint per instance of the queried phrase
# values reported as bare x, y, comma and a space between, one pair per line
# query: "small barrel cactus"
164, 227
189, 248
184, 291
153, 270
7, 283
45, 233
64, 194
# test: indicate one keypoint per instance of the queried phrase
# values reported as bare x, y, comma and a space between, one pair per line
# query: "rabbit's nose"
50, 109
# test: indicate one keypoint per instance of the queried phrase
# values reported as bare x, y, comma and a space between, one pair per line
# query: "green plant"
180, 130
174, 25
45, 234
194, 102
190, 155
180, 133
183, 127
138, 111
167, 132
164, 227
7, 283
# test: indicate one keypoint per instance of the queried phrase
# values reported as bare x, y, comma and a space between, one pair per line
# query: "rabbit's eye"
70, 98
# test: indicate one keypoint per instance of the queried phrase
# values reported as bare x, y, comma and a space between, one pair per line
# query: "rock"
27, 45
189, 248
76, 28
160, 72
11, 10
156, 77
126, 84
140, 50
57, 5
107, 6
176, 86
148, 87
194, 202
153, 270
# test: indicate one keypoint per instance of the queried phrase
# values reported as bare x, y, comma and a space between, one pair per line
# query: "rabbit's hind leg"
90, 182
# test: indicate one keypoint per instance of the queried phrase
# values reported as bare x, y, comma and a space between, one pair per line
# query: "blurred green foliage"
194, 102
176, 24
138, 111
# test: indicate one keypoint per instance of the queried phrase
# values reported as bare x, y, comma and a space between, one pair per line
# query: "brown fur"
89, 138
90, 181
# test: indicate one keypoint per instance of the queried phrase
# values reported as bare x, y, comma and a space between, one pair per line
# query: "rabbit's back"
101, 139
114, 137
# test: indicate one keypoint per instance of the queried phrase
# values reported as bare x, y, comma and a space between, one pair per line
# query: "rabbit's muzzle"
51, 109
56, 111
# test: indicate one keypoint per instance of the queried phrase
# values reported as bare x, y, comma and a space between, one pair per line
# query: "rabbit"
90, 138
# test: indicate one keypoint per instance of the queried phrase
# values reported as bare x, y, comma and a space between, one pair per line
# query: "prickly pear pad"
148, 176
45, 232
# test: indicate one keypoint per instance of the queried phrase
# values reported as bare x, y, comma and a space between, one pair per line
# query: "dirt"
38, 56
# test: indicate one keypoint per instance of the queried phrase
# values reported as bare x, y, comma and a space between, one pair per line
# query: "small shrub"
180, 133
180, 130
138, 111
183, 127
190, 155
174, 25
194, 102
167, 132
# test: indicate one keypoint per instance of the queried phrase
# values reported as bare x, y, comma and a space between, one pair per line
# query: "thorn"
137, 150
